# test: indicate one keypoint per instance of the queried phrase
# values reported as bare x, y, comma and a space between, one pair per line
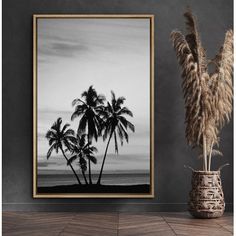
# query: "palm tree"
88, 110
115, 124
84, 152
61, 137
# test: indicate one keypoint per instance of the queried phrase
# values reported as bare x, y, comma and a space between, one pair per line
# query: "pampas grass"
208, 96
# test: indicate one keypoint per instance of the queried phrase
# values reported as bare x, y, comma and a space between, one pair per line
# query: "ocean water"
46, 180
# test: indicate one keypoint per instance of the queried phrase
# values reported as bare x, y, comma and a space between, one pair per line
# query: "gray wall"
172, 181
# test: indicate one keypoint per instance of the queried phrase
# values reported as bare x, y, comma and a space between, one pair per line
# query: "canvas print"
93, 106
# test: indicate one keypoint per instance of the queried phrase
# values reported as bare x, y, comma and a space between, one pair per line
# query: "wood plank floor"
112, 224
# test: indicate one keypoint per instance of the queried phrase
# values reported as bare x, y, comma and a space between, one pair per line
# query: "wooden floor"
111, 224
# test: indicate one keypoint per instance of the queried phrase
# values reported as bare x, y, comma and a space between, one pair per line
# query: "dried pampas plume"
208, 97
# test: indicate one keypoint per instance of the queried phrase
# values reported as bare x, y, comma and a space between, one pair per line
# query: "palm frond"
50, 151
65, 127
51, 134
82, 139
83, 164
120, 134
93, 159
126, 123
124, 131
79, 111
77, 101
68, 132
72, 159
113, 96
52, 140
125, 111
67, 144
100, 99
108, 129
57, 125
92, 129
93, 149
82, 125
57, 146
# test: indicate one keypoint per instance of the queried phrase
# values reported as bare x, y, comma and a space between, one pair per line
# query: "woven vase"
206, 196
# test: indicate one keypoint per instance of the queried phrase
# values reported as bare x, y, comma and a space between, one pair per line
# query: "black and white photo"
93, 106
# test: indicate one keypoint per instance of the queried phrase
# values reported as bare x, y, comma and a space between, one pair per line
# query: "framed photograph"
93, 106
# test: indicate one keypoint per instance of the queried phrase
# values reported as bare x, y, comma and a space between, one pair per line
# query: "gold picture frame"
36, 17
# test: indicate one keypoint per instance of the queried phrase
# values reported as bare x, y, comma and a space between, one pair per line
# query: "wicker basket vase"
206, 196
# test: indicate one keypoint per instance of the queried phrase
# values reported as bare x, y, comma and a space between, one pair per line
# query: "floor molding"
108, 207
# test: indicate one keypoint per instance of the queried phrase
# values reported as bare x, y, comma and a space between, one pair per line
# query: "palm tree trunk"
89, 163
104, 158
77, 177
90, 177
85, 179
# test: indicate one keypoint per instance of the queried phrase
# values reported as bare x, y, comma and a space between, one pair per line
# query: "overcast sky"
110, 54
